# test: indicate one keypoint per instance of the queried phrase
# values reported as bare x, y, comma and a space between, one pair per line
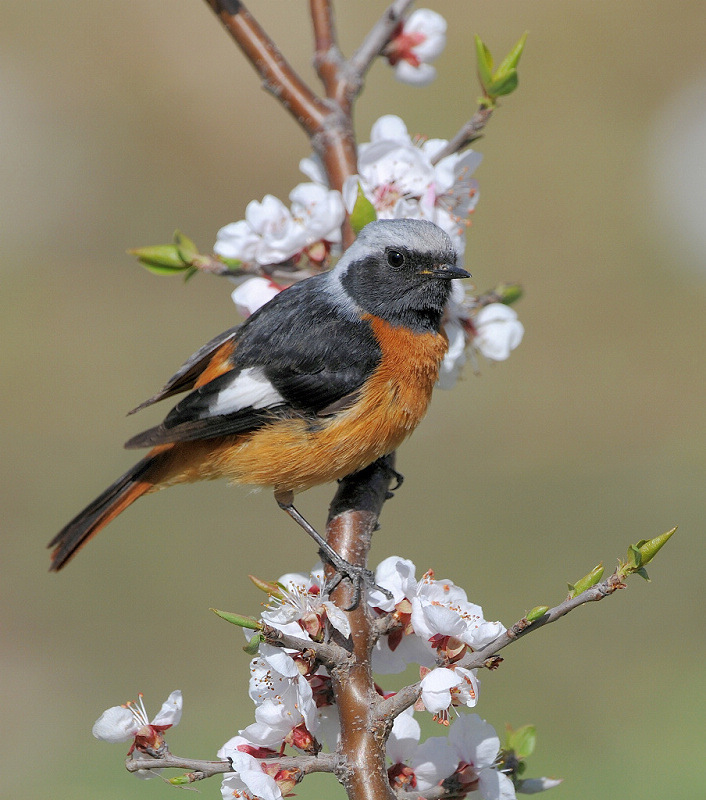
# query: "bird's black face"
404, 274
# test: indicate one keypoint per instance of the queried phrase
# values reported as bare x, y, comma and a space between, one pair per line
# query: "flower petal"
117, 724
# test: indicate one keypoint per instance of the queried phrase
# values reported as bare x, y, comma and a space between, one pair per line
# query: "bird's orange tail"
115, 499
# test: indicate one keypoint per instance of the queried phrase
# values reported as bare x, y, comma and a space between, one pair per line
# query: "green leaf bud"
239, 620
363, 212
587, 581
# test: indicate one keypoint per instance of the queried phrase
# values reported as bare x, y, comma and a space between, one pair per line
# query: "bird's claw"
358, 576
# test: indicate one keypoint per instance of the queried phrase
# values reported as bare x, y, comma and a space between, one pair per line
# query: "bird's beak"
448, 271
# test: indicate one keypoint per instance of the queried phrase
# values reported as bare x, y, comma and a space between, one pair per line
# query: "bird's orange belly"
296, 455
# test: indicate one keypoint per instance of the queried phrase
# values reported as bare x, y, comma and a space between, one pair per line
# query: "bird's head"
400, 270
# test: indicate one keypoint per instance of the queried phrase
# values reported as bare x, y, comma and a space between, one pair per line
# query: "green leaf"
272, 588
523, 740
649, 548
536, 613
185, 247
231, 263
484, 63
363, 212
239, 620
512, 59
160, 259
508, 293
253, 645
503, 84
634, 557
587, 581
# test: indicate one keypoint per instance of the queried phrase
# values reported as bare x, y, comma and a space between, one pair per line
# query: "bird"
326, 378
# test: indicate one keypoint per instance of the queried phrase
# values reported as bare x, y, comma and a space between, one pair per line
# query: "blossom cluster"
429, 623
401, 178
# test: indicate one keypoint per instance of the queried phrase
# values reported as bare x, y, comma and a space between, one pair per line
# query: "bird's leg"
356, 575
392, 473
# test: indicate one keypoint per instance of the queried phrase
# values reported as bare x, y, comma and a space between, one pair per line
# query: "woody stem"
353, 517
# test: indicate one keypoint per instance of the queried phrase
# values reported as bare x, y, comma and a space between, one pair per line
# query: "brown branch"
466, 134
327, 56
323, 762
352, 519
394, 705
522, 627
373, 44
484, 657
329, 654
277, 74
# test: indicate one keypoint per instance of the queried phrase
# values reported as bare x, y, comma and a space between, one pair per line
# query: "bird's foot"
359, 577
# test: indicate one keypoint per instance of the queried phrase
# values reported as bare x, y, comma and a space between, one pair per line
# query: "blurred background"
116, 127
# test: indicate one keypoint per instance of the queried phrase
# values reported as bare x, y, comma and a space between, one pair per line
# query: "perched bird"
330, 375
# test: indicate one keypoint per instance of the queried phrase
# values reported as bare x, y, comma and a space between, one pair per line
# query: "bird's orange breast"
295, 455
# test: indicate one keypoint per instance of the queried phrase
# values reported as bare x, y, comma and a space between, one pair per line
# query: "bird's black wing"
187, 376
299, 355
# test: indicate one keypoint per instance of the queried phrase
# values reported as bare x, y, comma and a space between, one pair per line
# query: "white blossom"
399, 179
253, 293
498, 331
248, 781
433, 616
303, 607
494, 331
441, 607
272, 233
436, 689
122, 723
478, 747
420, 40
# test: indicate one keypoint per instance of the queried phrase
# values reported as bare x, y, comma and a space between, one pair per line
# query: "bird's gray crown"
368, 278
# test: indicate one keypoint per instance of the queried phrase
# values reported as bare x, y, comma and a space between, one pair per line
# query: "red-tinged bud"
300, 738
257, 751
318, 252
402, 776
312, 623
401, 47
322, 690
287, 779
449, 648
149, 739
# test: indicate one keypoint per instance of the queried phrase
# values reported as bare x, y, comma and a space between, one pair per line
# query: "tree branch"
277, 75
371, 47
353, 517
323, 762
522, 627
329, 654
484, 657
466, 134
327, 56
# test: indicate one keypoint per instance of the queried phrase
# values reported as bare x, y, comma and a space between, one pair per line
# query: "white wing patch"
250, 389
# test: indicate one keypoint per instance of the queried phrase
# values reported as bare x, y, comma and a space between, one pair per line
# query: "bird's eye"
395, 259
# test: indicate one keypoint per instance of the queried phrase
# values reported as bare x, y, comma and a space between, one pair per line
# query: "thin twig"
373, 44
329, 654
466, 134
277, 74
323, 762
327, 56
522, 627
393, 706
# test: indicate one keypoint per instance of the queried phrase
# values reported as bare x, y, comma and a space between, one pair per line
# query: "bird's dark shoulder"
314, 352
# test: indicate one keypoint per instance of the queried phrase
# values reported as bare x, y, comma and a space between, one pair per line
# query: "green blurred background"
120, 123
